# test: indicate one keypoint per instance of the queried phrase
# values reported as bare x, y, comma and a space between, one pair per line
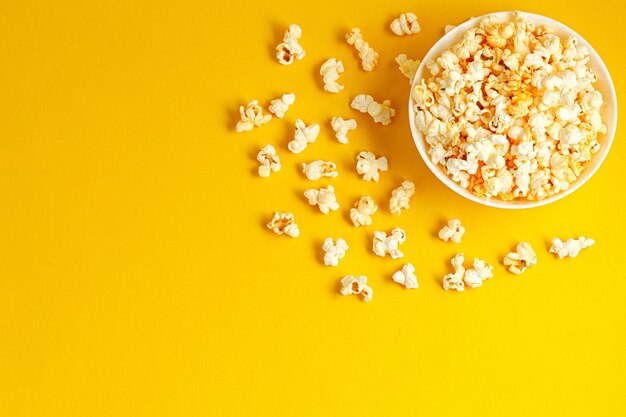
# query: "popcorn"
523, 257
406, 277
405, 24
341, 128
369, 166
452, 231
361, 213
318, 169
510, 111
351, 285
284, 223
408, 67
448, 28
481, 271
251, 116
303, 136
280, 105
324, 198
290, 49
401, 196
384, 244
269, 161
381, 113
330, 71
571, 247
334, 252
454, 281
369, 57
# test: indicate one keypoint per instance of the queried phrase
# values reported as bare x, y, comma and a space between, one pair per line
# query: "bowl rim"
598, 65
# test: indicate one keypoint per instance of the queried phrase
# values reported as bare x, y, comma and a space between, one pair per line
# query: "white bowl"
604, 85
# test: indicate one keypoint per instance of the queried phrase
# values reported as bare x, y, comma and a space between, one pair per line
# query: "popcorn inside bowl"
510, 111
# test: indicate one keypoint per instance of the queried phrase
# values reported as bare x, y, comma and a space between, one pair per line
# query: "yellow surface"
137, 276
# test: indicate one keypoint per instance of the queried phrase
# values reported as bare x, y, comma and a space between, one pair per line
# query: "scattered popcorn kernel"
333, 252
454, 281
351, 285
405, 24
448, 28
481, 271
401, 196
280, 105
290, 49
251, 116
369, 166
381, 113
324, 198
341, 128
330, 71
452, 231
303, 136
408, 67
284, 223
406, 277
384, 244
369, 57
269, 161
361, 213
318, 169
523, 257
571, 247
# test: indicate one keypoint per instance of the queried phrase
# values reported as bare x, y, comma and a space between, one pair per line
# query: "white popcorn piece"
319, 169
454, 281
369, 57
381, 113
369, 166
361, 213
571, 247
290, 49
408, 67
330, 71
523, 257
303, 136
251, 116
452, 231
270, 162
333, 252
400, 197
405, 24
324, 198
384, 244
280, 105
342, 127
351, 285
284, 223
448, 28
406, 276
475, 276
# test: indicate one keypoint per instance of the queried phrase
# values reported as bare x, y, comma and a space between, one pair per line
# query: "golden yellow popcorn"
408, 67
251, 116
405, 24
284, 223
361, 213
270, 162
330, 71
523, 257
369, 57
380, 112
290, 49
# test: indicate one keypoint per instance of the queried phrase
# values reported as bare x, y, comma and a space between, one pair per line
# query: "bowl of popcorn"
513, 110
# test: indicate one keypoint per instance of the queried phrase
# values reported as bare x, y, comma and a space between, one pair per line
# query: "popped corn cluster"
571, 247
333, 252
330, 71
290, 49
461, 277
369, 166
361, 213
270, 162
510, 111
342, 127
381, 112
369, 57
303, 136
318, 169
406, 276
280, 105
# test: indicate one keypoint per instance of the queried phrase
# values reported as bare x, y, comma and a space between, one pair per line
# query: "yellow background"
136, 274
